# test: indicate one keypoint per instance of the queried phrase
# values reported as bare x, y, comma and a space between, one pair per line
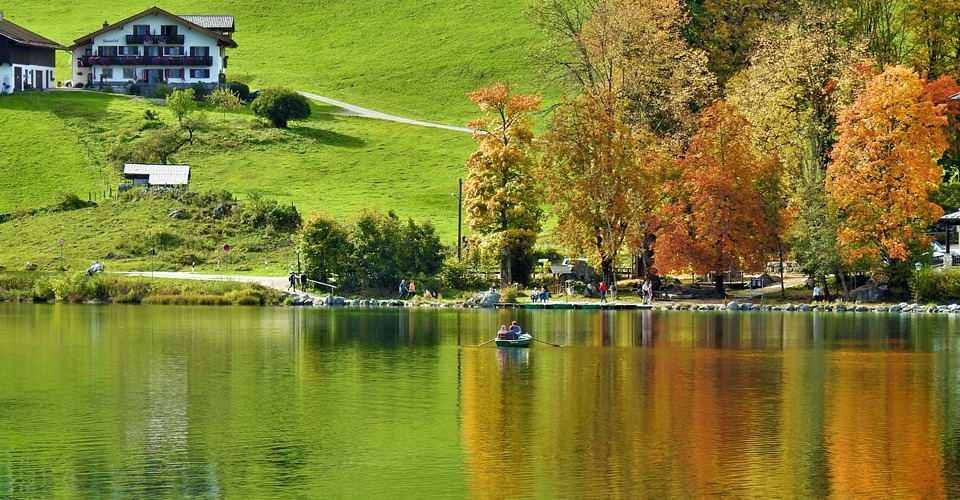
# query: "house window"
107, 50
106, 73
174, 73
200, 51
200, 73
141, 29
168, 29
128, 50
151, 51
129, 73
173, 51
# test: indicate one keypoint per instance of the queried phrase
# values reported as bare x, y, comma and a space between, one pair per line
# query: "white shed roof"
159, 175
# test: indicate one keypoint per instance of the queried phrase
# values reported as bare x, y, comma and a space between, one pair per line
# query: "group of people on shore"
297, 279
407, 290
539, 294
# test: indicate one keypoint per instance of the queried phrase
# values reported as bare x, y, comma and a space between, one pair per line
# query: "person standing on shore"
816, 293
411, 290
603, 292
403, 289
293, 282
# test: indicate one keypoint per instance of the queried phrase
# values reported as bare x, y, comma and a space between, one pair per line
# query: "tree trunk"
606, 269
783, 289
719, 286
506, 272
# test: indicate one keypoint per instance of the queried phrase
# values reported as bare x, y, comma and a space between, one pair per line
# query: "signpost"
153, 260
226, 249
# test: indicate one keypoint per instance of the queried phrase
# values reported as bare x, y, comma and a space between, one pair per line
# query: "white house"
27, 60
153, 47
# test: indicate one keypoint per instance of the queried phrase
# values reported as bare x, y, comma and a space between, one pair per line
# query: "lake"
281, 402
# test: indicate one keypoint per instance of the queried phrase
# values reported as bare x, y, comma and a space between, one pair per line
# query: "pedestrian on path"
603, 292
411, 290
293, 282
303, 282
403, 289
816, 293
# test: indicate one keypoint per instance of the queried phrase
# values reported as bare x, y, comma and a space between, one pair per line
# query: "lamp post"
298, 261
459, 196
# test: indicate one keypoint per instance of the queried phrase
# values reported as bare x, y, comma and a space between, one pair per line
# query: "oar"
545, 342
485, 343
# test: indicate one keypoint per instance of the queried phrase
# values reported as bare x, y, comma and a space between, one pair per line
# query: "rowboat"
523, 340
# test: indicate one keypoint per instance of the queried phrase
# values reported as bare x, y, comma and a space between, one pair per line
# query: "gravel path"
351, 110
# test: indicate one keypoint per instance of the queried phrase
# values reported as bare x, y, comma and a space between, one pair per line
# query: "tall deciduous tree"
716, 219
885, 167
600, 176
633, 49
501, 196
790, 95
724, 29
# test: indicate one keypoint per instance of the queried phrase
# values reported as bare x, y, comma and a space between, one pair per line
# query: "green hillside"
334, 163
414, 59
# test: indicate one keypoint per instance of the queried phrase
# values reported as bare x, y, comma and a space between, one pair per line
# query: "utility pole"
459, 219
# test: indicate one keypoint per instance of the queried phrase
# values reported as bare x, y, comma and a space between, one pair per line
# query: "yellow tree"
500, 194
717, 217
885, 168
599, 173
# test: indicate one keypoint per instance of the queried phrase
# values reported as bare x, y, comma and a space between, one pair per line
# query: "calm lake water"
233, 402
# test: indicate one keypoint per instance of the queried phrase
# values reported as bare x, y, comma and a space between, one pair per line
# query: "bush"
932, 285
279, 105
240, 89
457, 276
133, 89
161, 92
199, 90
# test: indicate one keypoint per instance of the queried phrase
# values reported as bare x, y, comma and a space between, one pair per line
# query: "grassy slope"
404, 57
410, 58
329, 162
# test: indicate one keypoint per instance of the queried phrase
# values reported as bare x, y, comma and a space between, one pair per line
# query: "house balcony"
91, 61
154, 39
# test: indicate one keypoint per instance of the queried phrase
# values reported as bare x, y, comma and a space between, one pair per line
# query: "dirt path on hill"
351, 110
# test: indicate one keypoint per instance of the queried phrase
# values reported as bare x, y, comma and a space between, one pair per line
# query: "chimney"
105, 24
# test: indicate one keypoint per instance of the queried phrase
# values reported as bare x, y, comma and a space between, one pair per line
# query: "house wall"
117, 38
28, 76
25, 62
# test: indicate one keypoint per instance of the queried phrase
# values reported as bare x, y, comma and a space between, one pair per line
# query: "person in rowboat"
502, 334
515, 331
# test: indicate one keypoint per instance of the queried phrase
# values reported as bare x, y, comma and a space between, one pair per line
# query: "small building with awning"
143, 174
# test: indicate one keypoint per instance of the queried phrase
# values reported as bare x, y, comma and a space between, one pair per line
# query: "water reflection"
310, 402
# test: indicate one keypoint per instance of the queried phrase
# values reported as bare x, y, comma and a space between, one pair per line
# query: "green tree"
325, 247
182, 103
279, 105
500, 194
225, 100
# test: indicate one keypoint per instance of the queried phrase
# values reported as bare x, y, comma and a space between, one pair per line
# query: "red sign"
226, 248
61, 242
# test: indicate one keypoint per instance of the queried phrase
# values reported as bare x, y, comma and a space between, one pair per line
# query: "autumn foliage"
885, 167
601, 176
500, 194
715, 220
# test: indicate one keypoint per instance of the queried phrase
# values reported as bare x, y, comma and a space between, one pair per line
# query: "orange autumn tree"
599, 173
717, 217
501, 197
885, 167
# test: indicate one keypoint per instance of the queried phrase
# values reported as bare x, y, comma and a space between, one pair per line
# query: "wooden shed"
157, 175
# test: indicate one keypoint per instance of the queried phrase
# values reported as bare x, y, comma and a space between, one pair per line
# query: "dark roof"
152, 10
23, 36
217, 22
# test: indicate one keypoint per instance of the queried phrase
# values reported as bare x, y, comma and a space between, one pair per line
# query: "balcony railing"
145, 61
154, 39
